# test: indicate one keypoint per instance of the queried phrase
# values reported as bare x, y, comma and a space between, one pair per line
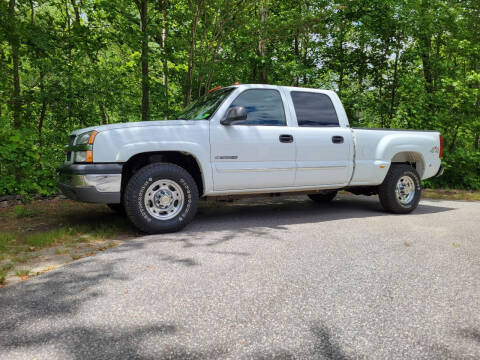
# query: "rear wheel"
401, 190
161, 198
323, 197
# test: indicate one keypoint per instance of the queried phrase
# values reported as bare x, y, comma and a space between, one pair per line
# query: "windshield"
204, 107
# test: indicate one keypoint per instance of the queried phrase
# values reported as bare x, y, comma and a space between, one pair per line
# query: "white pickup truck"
245, 140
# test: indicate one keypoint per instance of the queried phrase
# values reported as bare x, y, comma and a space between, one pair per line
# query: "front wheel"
161, 198
401, 190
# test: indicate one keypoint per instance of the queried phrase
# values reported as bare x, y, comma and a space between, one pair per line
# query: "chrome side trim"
322, 167
253, 170
280, 169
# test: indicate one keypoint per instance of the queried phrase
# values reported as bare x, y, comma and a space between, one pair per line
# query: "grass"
4, 269
47, 238
21, 211
451, 194
12, 243
22, 273
61, 251
65, 226
6, 241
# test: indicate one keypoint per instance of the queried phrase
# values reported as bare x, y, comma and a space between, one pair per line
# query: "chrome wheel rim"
405, 190
164, 199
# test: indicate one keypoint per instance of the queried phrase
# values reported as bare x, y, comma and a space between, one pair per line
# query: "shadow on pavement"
60, 294
256, 217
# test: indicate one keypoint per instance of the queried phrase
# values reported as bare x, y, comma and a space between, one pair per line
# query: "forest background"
68, 64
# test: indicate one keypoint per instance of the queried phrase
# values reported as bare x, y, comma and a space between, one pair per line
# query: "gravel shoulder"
278, 279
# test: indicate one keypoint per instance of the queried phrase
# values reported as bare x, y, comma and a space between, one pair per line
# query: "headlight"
83, 147
86, 138
84, 156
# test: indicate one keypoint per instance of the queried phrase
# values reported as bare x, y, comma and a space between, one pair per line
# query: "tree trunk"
44, 108
143, 9
297, 52
165, 62
262, 46
70, 67
425, 39
342, 59
477, 140
15, 45
454, 138
103, 114
394, 82
77, 13
32, 11
191, 56
214, 56
426, 44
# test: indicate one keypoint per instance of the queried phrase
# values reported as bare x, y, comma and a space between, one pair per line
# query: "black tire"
323, 197
397, 202
117, 208
136, 193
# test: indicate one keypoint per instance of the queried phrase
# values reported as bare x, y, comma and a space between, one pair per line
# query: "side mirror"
234, 114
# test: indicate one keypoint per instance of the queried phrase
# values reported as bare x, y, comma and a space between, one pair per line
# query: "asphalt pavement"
278, 279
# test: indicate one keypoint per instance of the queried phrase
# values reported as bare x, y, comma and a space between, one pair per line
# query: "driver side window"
264, 107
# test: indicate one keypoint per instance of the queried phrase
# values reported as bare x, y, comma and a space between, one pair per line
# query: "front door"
256, 153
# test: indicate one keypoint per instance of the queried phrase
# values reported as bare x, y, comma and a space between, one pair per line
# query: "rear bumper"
440, 171
95, 183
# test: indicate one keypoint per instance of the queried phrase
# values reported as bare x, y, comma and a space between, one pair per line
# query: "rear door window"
314, 109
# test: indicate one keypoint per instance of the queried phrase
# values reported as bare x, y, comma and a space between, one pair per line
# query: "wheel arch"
185, 160
411, 157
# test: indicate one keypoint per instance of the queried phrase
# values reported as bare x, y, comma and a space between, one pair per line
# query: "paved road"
286, 279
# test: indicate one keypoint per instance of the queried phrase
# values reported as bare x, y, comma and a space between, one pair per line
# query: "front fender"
119, 145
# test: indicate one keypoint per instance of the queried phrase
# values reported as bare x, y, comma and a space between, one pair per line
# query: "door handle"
337, 139
286, 138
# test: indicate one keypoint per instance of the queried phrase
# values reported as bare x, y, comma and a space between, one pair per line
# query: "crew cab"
240, 141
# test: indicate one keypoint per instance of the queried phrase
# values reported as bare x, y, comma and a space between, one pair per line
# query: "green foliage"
21, 211
400, 64
463, 169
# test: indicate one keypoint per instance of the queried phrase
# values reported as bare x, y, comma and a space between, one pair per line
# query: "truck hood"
101, 128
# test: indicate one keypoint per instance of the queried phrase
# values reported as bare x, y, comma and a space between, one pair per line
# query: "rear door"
256, 153
324, 147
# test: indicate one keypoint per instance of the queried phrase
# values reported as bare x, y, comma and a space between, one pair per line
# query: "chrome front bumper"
98, 183
101, 182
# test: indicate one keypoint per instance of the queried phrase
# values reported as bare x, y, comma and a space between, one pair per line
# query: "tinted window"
264, 106
314, 109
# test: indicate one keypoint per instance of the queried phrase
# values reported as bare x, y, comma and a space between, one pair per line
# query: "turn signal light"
91, 139
89, 156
